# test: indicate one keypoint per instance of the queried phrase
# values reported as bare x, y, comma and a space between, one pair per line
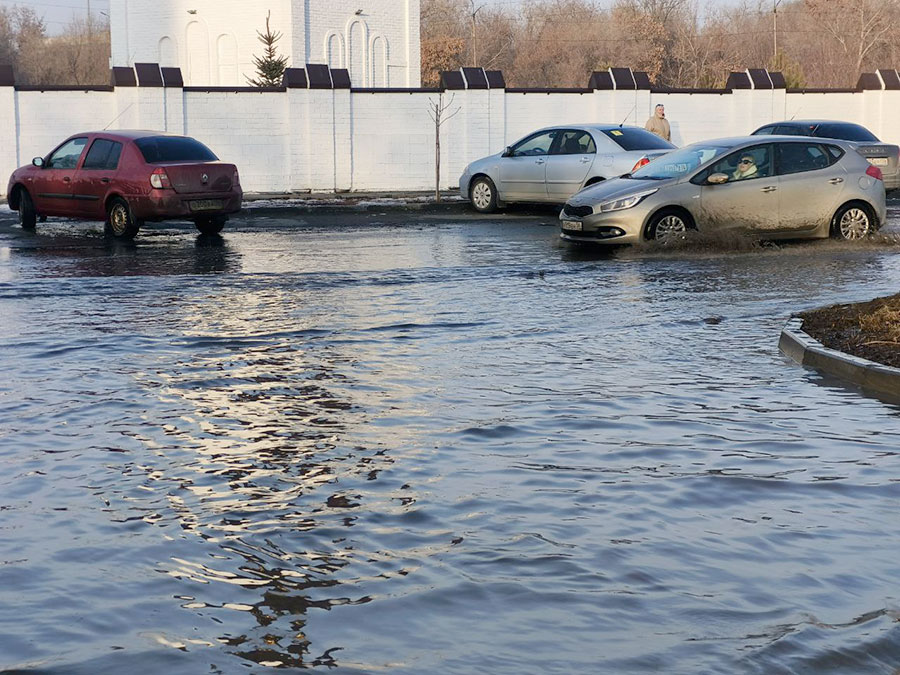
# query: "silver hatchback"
774, 187
552, 164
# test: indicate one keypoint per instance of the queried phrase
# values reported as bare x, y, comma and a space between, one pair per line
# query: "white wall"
327, 140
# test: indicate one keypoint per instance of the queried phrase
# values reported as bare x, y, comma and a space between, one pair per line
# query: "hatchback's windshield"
846, 132
678, 163
159, 149
632, 138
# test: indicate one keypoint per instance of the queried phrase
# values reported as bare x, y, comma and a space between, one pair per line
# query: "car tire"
852, 222
27, 215
210, 224
120, 220
669, 223
483, 195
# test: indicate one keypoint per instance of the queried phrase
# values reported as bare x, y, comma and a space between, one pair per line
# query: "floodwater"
399, 444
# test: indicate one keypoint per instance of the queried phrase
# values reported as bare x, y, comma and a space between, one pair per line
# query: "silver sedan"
772, 187
552, 164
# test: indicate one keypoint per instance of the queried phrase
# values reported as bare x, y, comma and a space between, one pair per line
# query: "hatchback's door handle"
539, 161
835, 181
585, 160
769, 188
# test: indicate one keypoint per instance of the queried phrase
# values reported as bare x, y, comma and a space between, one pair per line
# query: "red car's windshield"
161, 149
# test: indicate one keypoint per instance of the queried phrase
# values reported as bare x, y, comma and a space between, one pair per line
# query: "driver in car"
746, 168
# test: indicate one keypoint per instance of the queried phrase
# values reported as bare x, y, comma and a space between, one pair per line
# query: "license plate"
205, 204
879, 161
576, 225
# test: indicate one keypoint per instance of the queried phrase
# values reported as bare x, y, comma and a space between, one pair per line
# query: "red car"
125, 178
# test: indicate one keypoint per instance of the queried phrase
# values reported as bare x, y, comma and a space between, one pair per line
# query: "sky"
58, 13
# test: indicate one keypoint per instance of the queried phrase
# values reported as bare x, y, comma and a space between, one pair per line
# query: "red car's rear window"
161, 149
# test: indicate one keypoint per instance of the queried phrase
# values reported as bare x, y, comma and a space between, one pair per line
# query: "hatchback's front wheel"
483, 195
852, 222
120, 221
669, 224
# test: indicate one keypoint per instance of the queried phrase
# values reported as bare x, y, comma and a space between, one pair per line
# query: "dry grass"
870, 330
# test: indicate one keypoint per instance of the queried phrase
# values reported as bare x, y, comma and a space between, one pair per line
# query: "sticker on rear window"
616, 132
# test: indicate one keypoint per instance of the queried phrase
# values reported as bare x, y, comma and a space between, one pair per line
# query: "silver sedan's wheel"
668, 225
852, 223
483, 195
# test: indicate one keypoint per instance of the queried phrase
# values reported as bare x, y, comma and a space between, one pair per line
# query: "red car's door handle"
67, 180
104, 180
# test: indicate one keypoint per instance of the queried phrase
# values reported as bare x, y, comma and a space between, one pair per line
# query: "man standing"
658, 124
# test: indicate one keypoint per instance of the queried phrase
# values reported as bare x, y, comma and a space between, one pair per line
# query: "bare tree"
437, 110
859, 27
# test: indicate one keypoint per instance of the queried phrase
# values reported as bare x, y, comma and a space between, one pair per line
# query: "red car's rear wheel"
120, 221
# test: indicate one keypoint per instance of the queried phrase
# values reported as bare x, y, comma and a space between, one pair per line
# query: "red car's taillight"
643, 161
237, 178
160, 179
875, 172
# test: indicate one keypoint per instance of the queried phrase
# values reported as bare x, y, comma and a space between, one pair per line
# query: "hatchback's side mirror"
717, 178
507, 152
38, 162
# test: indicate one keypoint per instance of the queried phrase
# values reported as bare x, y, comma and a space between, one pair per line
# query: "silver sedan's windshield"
676, 164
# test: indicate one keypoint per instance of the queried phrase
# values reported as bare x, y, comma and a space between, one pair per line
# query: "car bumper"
168, 204
613, 228
464, 181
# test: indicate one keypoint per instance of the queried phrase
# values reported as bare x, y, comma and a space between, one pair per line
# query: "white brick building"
214, 41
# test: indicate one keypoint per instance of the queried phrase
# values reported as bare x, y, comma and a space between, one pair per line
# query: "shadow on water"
834, 383
152, 255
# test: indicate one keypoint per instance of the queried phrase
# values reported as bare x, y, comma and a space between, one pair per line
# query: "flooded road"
435, 444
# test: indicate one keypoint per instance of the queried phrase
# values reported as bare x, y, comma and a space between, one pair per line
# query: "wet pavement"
428, 441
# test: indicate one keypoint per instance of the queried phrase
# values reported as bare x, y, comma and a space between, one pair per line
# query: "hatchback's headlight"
626, 202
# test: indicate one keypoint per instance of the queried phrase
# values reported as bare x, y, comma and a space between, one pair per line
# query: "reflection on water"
437, 449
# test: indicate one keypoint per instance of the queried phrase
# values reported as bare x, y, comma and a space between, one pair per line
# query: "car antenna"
628, 115
117, 117
795, 113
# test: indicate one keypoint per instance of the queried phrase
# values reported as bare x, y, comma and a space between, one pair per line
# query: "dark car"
125, 178
883, 155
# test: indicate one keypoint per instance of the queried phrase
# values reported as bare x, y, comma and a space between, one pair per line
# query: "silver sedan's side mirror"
507, 152
717, 178
38, 162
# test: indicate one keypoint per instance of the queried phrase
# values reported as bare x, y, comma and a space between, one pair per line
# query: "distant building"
214, 41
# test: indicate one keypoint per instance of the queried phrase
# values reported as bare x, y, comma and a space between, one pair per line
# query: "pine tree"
269, 67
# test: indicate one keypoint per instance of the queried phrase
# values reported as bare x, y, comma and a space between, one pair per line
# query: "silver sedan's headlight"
625, 202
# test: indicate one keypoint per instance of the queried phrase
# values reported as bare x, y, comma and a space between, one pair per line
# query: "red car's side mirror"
38, 162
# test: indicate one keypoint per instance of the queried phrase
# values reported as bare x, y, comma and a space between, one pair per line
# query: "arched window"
167, 52
197, 47
379, 60
357, 46
334, 50
226, 50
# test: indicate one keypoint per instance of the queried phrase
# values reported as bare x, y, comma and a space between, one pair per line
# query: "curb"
276, 208
808, 351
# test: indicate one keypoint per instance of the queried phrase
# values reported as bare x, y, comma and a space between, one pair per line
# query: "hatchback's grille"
579, 211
